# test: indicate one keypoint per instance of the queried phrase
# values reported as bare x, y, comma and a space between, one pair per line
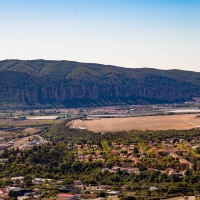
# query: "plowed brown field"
178, 122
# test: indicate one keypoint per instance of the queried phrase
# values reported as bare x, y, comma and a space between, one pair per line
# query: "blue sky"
162, 34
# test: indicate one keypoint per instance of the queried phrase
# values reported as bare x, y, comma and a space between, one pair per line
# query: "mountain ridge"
48, 83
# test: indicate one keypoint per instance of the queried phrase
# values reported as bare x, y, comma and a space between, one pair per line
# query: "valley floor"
177, 122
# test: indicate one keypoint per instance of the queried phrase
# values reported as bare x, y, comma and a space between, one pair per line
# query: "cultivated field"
178, 122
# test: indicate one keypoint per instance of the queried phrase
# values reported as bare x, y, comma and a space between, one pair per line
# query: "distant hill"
48, 84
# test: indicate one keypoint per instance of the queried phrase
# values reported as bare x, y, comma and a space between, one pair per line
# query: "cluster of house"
37, 193
89, 152
77, 191
175, 140
115, 169
73, 191
130, 157
93, 152
17, 191
182, 160
126, 152
170, 147
7, 192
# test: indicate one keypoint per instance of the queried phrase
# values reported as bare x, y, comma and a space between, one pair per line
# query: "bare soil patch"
30, 130
7, 134
167, 122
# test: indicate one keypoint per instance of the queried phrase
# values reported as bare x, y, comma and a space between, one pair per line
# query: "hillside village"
172, 157
131, 157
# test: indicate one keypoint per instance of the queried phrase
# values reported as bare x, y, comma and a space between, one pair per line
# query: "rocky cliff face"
73, 95
71, 86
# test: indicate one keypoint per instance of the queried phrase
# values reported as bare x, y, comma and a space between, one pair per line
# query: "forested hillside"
42, 84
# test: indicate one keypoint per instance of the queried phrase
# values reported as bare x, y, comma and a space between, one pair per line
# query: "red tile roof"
65, 195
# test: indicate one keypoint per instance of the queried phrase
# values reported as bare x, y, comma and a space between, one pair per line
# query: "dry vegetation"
31, 130
26, 123
7, 133
178, 122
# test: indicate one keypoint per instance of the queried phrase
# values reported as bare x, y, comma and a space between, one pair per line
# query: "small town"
99, 100
171, 157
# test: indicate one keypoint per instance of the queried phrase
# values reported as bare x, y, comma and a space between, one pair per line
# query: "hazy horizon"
103, 64
161, 34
